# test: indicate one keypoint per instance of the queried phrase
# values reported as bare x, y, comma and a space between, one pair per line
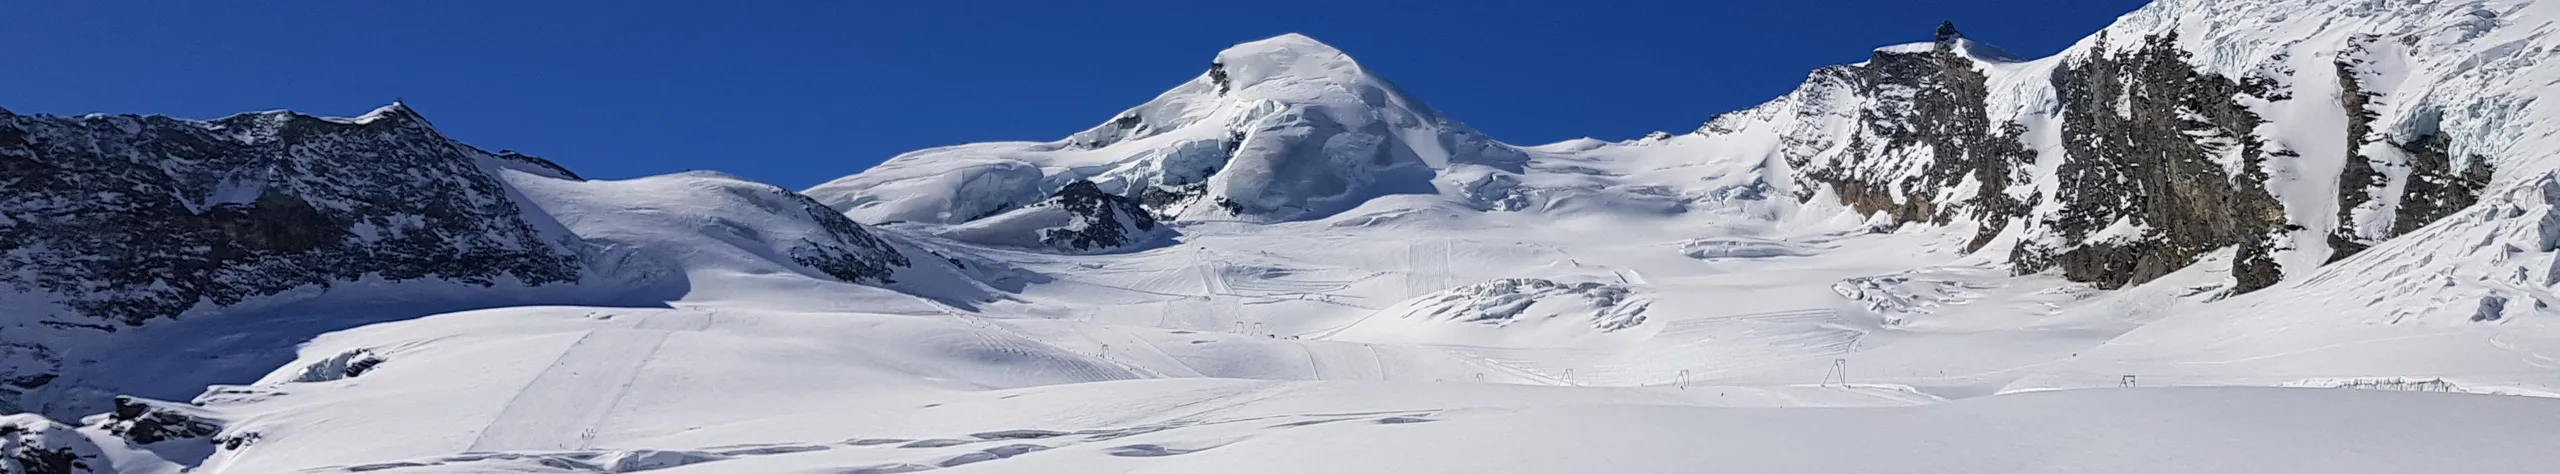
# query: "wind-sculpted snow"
689, 222
1285, 128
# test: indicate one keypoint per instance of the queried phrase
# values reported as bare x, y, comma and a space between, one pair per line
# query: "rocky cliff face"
1099, 220
2138, 151
125, 219
2155, 145
1921, 112
110, 222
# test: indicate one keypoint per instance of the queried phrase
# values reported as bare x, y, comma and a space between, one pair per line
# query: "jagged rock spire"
1947, 32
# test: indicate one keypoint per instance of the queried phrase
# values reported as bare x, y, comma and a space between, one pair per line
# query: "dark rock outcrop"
2358, 180
847, 251
2432, 187
1218, 75
31, 444
2142, 128
131, 218
2150, 146
1098, 220
2435, 189
1927, 106
151, 421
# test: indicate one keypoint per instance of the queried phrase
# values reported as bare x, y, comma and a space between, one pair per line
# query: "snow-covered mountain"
1279, 129
1287, 264
118, 226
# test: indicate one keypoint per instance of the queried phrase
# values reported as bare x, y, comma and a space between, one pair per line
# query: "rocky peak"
1947, 32
131, 218
123, 220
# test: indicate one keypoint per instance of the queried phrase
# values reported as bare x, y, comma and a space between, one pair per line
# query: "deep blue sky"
796, 93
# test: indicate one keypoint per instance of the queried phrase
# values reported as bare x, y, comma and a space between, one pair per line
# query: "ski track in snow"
562, 408
1427, 267
993, 335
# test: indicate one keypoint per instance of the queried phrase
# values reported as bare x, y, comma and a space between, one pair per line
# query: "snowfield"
1333, 277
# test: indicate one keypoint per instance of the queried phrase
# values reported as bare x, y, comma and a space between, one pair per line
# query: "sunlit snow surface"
1131, 363
1693, 316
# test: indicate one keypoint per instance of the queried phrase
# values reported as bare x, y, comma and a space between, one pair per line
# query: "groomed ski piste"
1441, 303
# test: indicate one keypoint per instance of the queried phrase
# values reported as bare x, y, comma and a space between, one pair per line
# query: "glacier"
2217, 236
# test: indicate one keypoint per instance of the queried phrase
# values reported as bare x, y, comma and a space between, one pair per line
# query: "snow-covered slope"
1944, 259
1279, 129
234, 237
1533, 310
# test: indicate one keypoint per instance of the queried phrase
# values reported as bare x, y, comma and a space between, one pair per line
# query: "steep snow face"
1280, 129
726, 223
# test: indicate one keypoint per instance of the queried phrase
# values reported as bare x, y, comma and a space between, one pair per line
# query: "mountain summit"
1283, 128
